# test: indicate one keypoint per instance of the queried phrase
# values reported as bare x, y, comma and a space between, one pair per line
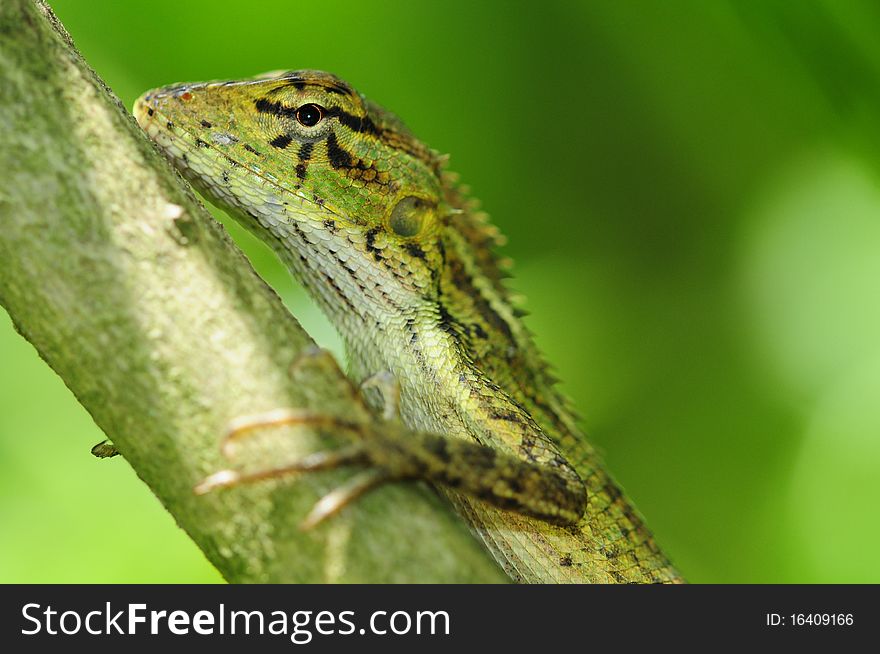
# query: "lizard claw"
243, 426
220, 479
334, 501
354, 454
327, 506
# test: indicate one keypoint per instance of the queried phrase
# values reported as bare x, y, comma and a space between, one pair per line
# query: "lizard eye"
309, 115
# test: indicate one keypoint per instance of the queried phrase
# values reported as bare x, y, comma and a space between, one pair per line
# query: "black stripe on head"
305, 151
265, 106
338, 157
281, 141
361, 125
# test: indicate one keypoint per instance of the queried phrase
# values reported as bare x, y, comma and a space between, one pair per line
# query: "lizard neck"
465, 362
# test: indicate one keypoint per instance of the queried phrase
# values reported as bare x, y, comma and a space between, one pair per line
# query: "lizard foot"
353, 454
389, 452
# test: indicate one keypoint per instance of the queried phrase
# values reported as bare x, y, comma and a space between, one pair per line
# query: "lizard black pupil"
309, 115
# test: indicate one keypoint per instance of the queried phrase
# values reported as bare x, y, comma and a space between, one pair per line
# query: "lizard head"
309, 164
356, 206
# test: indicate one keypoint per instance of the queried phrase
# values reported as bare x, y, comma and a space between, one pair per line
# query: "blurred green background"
691, 194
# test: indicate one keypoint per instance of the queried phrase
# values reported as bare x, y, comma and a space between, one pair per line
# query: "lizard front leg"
389, 452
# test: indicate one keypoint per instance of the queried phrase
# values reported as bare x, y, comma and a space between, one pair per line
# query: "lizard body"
402, 261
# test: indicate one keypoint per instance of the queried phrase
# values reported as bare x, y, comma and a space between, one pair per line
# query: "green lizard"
371, 223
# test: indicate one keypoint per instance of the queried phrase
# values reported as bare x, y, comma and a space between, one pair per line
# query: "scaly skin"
367, 219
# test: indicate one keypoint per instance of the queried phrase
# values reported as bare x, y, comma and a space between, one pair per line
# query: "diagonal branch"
137, 298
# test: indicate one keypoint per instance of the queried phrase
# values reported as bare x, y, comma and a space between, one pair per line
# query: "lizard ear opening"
410, 215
